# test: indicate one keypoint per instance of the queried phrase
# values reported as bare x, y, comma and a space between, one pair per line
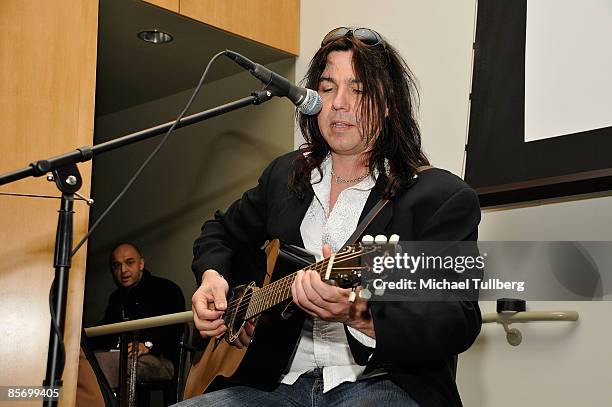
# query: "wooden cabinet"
275, 23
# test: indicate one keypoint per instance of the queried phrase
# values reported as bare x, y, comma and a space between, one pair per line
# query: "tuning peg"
380, 239
365, 294
352, 295
394, 239
367, 239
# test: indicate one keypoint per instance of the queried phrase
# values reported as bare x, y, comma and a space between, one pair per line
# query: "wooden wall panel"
271, 22
47, 85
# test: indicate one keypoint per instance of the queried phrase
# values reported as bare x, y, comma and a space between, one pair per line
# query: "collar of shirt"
322, 186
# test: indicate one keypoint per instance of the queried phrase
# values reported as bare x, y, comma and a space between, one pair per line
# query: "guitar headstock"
346, 268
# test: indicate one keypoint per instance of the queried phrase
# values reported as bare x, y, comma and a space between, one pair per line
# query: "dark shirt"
152, 296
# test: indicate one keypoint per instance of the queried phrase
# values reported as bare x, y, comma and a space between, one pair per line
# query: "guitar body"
276, 333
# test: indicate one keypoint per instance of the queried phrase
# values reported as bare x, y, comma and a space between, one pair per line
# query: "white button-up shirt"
324, 344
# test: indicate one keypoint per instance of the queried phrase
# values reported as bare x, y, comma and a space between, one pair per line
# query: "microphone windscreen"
311, 104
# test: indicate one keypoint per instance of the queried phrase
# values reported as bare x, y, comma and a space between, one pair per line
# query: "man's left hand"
330, 303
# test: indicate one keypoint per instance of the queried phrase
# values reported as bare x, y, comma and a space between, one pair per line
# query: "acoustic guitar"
277, 323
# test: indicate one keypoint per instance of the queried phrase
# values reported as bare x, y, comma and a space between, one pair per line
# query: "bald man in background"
140, 294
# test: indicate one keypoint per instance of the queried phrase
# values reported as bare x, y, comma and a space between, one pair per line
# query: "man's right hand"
209, 303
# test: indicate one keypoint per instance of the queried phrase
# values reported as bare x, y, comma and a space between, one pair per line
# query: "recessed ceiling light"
155, 36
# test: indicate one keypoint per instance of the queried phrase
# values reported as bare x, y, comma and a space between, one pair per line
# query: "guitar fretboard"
261, 299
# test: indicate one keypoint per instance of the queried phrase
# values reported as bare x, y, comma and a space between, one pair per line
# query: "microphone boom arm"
83, 154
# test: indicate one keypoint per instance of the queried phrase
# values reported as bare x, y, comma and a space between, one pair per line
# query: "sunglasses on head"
365, 35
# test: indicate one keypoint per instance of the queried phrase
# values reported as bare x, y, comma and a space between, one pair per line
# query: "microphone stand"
68, 180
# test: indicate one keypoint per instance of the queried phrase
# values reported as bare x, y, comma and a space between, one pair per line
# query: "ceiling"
131, 72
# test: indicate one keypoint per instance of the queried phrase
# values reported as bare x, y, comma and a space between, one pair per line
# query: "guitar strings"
318, 266
282, 285
268, 291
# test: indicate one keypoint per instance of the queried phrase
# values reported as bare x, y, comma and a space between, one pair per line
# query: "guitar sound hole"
240, 312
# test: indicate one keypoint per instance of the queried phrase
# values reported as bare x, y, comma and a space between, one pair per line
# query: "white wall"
560, 363
435, 38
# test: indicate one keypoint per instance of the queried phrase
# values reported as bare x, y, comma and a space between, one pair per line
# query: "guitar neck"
270, 295
262, 299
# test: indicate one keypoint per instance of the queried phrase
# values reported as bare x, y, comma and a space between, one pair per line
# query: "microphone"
307, 101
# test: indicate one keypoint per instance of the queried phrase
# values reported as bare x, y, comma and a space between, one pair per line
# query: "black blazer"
416, 342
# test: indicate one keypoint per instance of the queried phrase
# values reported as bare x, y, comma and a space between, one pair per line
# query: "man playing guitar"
364, 146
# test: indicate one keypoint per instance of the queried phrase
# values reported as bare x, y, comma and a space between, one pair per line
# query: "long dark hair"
387, 83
